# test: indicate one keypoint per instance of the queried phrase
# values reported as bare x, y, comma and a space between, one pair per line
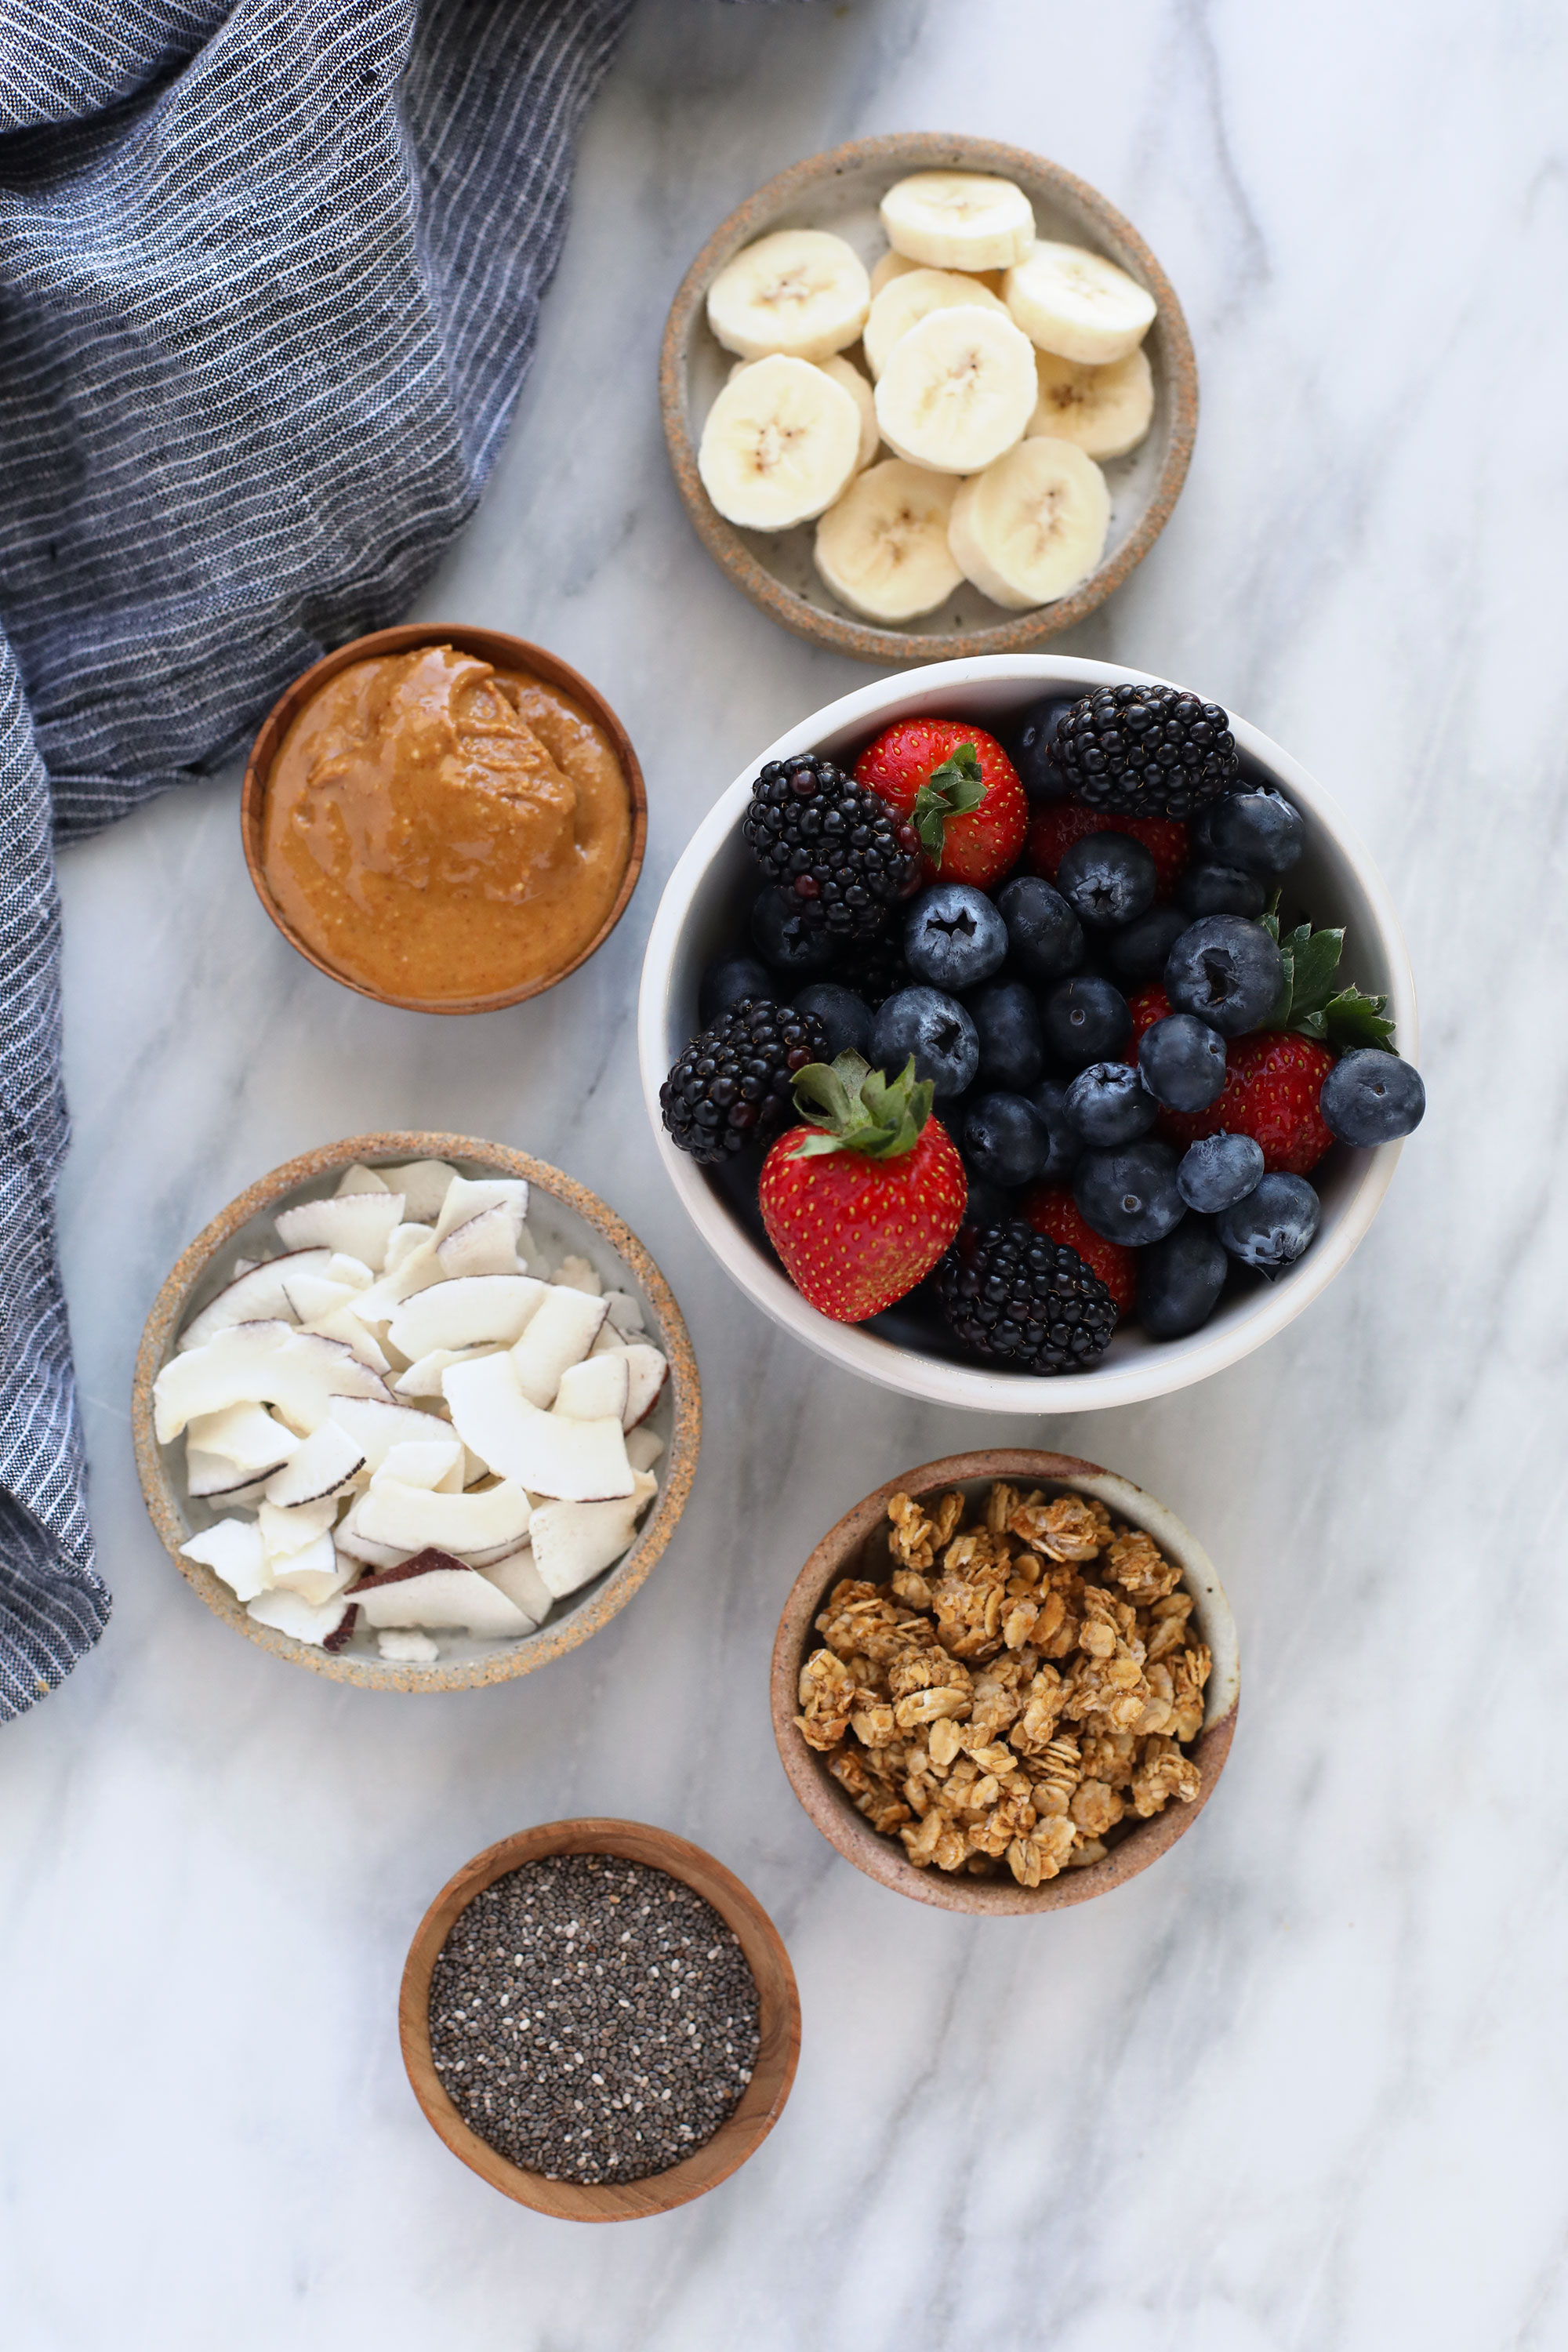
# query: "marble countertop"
1300, 2086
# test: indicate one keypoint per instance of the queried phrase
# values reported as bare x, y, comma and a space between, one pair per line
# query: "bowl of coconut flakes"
415, 1411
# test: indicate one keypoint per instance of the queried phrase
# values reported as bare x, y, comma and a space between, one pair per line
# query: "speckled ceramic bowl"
703, 914
856, 1547
840, 191
564, 1216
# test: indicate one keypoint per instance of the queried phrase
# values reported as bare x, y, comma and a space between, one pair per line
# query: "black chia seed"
593, 2019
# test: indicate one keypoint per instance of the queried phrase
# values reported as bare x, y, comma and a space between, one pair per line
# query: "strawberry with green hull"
862, 1200
958, 788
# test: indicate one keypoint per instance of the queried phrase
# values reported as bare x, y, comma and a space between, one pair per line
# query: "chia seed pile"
593, 2019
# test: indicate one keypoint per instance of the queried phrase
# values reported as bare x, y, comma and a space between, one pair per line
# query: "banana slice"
958, 390
1105, 410
958, 220
780, 442
1032, 525
883, 548
846, 373
1072, 302
799, 292
897, 264
911, 297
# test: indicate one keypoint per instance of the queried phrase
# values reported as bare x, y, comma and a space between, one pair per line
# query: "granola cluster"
1017, 1688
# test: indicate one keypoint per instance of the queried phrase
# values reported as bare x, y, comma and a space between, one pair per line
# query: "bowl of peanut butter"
445, 819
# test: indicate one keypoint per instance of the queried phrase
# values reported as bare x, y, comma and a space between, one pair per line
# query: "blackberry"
875, 968
732, 1085
1146, 751
1011, 1294
814, 831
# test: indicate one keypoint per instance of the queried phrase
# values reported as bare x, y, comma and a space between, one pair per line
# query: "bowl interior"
778, 2051
857, 1547
840, 192
560, 1230
704, 914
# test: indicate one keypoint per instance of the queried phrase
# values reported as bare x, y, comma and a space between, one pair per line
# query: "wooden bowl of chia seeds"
572, 1990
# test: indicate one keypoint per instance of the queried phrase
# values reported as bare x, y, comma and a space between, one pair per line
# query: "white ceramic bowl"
701, 914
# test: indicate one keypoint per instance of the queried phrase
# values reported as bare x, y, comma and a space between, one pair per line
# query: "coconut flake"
559, 1334
594, 1390
546, 1453
254, 1296
324, 1466
360, 1178
577, 1273
409, 1517
406, 1647
485, 1244
424, 1378
423, 1184
644, 1446
358, 1223
378, 1426
291, 1613
573, 1541
466, 1312
467, 1197
519, 1580
233, 1549
431, 1463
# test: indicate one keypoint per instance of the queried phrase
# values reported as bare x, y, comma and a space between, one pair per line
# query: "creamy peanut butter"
437, 828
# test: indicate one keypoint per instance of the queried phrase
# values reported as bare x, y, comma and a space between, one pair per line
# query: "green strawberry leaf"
957, 788
1351, 1019
1316, 960
849, 1107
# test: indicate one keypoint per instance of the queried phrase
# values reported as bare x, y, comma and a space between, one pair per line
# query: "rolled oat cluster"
1017, 1701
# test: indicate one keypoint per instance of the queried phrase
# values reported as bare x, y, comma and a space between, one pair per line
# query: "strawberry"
1272, 1082
1054, 828
958, 788
1056, 1214
1149, 1004
862, 1201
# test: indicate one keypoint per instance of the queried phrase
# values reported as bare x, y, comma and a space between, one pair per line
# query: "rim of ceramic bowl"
1158, 1371
679, 1466
883, 1858
503, 652
927, 149
756, 2111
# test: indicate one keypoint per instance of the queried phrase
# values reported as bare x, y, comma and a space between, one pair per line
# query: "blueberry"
1109, 1103
1045, 936
846, 1018
1218, 1171
785, 940
1272, 1226
1005, 1139
1260, 831
1049, 1098
1139, 951
936, 1029
1108, 879
1370, 1096
1129, 1196
728, 981
953, 936
1179, 1281
1220, 890
1227, 970
1085, 1020
1037, 770
1012, 1051
1182, 1062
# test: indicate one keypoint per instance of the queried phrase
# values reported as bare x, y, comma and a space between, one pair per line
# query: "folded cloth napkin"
269, 279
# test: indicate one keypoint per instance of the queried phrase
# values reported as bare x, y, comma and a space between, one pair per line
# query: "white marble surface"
1303, 2084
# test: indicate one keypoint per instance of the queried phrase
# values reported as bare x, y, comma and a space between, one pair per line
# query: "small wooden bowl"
839, 191
762, 2102
563, 1210
838, 1555
504, 653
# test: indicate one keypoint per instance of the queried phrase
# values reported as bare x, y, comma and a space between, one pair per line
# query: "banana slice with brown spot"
1033, 525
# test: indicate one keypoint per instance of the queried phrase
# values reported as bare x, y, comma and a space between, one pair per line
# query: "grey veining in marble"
1303, 2084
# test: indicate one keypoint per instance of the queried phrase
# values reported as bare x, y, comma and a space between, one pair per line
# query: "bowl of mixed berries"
1028, 1034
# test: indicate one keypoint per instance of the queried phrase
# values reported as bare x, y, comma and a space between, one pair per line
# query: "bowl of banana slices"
927, 397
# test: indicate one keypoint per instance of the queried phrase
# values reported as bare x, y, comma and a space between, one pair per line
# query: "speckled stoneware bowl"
564, 1216
840, 191
856, 1547
703, 914
754, 2114
504, 653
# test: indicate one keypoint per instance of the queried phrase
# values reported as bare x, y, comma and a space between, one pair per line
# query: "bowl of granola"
1006, 1682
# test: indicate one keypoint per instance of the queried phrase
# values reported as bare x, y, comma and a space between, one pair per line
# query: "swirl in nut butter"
437, 828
